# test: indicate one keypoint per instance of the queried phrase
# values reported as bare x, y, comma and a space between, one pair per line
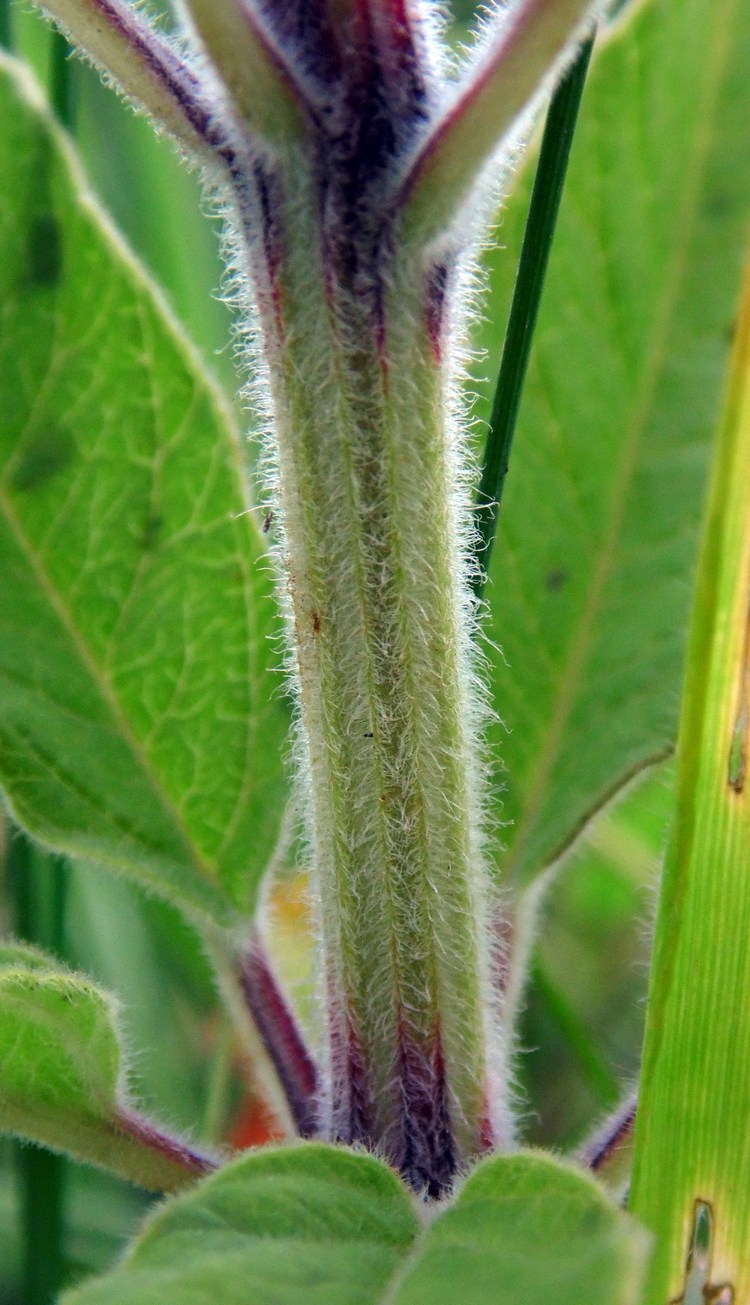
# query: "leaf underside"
316, 1224
591, 575
141, 725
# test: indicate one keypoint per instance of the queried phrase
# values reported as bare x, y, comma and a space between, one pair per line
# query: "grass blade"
37, 883
692, 1131
540, 229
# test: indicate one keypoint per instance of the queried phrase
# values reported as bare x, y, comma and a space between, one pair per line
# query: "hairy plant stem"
368, 485
280, 1034
349, 157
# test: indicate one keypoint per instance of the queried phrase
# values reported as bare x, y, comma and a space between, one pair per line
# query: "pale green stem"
373, 542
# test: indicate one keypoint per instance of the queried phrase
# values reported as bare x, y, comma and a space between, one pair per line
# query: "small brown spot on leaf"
43, 251
152, 529
556, 579
316, 622
46, 453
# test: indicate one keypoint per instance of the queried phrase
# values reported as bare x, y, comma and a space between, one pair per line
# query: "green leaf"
691, 1139
308, 1224
590, 578
17, 955
527, 1228
61, 1072
140, 725
311, 1224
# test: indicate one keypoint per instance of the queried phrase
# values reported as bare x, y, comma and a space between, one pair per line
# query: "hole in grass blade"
699, 1290
532, 267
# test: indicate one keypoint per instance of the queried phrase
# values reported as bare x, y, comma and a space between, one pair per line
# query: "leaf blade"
691, 1128
138, 724
535, 1228
591, 571
322, 1224
61, 1074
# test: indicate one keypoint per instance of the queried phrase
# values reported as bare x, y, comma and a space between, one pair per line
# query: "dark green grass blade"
540, 229
37, 883
38, 887
579, 1043
62, 90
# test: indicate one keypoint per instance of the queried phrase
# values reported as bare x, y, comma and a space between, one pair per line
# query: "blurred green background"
583, 1015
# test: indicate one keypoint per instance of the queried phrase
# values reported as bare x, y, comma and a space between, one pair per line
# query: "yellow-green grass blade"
693, 1127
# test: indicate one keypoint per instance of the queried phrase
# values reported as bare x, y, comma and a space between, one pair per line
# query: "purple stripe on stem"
281, 1036
615, 1133
428, 1155
171, 1148
162, 62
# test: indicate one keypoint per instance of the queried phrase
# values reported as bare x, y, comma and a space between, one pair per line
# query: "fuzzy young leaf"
590, 577
315, 1224
311, 1225
138, 726
61, 1074
527, 1228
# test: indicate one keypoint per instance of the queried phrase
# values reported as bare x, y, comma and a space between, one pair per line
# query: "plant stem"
367, 470
170, 1150
37, 882
262, 1075
527, 294
613, 1137
281, 1035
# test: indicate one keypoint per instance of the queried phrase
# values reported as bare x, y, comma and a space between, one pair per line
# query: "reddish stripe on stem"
437, 285
360, 1100
166, 67
281, 1036
171, 1148
271, 248
427, 1158
615, 1132
352, 1116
